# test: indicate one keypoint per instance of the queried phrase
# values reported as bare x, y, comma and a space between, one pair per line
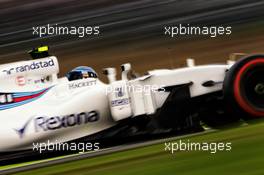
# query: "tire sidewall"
229, 83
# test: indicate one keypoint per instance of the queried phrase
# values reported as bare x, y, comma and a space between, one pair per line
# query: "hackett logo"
29, 67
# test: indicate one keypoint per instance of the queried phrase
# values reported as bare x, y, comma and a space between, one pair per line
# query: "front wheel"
244, 87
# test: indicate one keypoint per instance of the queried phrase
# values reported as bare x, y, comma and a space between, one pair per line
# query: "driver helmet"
81, 72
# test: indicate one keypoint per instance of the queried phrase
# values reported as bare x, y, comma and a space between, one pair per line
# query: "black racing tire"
244, 87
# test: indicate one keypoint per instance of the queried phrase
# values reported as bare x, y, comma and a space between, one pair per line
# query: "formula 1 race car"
37, 106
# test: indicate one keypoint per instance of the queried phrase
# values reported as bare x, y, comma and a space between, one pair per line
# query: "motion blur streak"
128, 30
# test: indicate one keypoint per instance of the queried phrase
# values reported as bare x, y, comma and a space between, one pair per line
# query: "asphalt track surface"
121, 23
98, 153
130, 19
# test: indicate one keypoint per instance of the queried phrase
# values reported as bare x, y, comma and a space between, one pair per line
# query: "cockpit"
81, 72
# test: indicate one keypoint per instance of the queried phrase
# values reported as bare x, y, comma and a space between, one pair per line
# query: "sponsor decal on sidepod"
45, 123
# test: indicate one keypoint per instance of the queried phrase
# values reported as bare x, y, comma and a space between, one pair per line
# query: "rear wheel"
244, 87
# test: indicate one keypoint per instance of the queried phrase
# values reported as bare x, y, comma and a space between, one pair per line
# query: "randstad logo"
29, 67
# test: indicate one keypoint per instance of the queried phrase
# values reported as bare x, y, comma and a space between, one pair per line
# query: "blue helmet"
81, 72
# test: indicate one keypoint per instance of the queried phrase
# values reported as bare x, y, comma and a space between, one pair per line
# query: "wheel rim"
259, 88
248, 88
253, 87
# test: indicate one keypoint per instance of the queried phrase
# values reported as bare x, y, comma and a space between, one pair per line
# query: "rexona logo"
45, 123
29, 67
